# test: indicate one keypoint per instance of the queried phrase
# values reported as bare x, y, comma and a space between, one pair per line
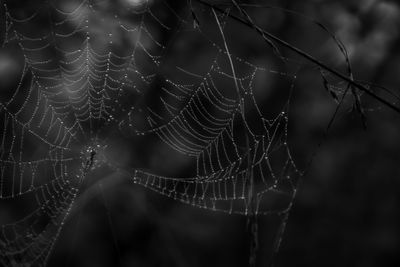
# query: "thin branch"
269, 36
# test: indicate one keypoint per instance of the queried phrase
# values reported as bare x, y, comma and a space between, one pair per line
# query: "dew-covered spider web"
154, 71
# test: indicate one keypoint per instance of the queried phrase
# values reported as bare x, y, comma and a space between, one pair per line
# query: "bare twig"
268, 37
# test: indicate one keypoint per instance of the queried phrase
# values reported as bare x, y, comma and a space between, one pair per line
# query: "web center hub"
93, 155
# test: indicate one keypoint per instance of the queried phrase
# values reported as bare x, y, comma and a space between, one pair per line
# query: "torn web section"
241, 161
234, 166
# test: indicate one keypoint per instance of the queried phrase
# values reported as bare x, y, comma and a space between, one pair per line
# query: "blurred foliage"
346, 210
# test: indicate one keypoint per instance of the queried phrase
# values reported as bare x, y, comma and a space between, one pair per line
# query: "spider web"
95, 67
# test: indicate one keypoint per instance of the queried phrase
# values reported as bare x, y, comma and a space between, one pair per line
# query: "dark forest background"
346, 212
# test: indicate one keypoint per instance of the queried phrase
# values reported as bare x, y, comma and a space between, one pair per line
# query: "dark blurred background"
346, 212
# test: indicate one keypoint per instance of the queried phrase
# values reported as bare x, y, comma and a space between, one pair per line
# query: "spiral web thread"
75, 83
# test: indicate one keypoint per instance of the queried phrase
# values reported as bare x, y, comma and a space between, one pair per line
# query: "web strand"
89, 71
